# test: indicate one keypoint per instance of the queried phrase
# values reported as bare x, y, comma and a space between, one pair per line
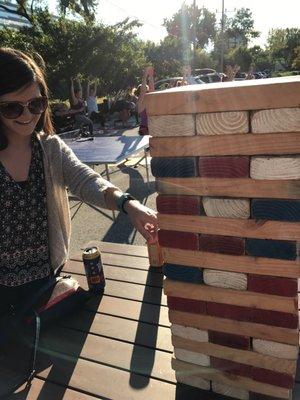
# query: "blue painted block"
183, 273
271, 249
276, 210
173, 167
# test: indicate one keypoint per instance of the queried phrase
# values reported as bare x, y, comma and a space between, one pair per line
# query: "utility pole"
194, 36
222, 37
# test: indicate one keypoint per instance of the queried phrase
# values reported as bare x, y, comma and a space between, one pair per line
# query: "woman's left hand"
143, 218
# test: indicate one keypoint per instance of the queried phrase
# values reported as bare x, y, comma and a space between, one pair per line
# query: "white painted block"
224, 279
226, 208
172, 125
189, 333
285, 167
230, 391
192, 357
276, 120
222, 123
280, 350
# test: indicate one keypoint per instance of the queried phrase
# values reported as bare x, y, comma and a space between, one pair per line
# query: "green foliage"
282, 46
241, 56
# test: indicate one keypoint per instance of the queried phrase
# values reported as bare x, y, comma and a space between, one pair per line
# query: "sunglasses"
14, 109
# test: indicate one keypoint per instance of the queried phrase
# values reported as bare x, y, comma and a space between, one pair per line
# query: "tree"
281, 45
240, 56
241, 28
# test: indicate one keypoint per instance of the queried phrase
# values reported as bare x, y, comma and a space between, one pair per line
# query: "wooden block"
229, 311
230, 391
183, 273
257, 396
231, 367
258, 331
231, 96
226, 208
192, 357
224, 167
186, 332
275, 167
184, 205
248, 357
222, 244
180, 240
272, 377
226, 187
188, 305
241, 264
276, 120
224, 279
271, 248
272, 285
230, 296
222, 123
192, 381
276, 210
255, 229
226, 145
183, 167
229, 340
228, 379
155, 255
172, 125
274, 349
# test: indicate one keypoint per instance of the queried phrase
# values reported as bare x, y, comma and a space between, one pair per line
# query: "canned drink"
93, 269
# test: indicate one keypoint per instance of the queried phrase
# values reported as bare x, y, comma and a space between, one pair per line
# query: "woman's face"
25, 124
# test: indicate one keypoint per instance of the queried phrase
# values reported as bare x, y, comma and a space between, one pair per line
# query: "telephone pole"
194, 35
222, 37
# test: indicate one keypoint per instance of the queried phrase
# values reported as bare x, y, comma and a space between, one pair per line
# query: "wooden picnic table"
118, 346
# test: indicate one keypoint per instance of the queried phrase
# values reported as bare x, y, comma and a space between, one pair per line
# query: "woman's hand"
143, 218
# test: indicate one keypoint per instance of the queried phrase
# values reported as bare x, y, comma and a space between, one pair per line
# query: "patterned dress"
24, 249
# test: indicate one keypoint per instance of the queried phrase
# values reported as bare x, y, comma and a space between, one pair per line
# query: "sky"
267, 14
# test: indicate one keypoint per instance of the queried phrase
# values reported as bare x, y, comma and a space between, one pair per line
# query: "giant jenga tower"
226, 158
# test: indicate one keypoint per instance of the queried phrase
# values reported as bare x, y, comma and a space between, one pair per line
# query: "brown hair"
17, 70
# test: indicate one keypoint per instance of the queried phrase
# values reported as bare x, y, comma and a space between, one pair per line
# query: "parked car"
211, 77
171, 82
240, 76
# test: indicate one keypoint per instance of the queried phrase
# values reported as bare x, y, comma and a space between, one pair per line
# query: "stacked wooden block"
226, 158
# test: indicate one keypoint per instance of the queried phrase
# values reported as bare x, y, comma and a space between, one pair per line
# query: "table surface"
108, 150
118, 347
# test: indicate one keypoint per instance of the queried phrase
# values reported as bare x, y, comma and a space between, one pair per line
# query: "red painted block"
222, 244
178, 240
273, 285
228, 311
230, 367
224, 167
274, 318
272, 377
187, 305
230, 340
258, 396
183, 205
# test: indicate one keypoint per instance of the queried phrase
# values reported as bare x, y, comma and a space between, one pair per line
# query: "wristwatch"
122, 200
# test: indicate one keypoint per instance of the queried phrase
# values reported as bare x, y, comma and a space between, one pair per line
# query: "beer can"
93, 269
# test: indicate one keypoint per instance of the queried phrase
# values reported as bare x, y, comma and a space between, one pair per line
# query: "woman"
141, 92
36, 167
78, 108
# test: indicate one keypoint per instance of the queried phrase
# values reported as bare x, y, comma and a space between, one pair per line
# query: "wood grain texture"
174, 167
276, 120
181, 240
184, 205
274, 349
229, 340
155, 255
231, 367
226, 208
192, 357
192, 381
226, 145
183, 273
240, 264
275, 167
272, 285
271, 248
226, 352
276, 210
230, 391
186, 332
251, 228
188, 305
239, 187
172, 125
222, 123
232, 96
258, 331
230, 296
222, 244
224, 279
228, 379
224, 167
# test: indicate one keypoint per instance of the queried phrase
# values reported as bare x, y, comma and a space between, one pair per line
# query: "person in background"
146, 86
92, 106
78, 107
133, 99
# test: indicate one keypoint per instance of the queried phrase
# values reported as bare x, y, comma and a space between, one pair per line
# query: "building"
10, 20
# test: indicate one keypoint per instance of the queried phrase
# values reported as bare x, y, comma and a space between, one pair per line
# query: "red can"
93, 269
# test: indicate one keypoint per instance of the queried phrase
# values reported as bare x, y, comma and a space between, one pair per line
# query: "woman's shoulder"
51, 141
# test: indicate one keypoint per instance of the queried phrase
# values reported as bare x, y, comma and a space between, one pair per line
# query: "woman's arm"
149, 72
73, 100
